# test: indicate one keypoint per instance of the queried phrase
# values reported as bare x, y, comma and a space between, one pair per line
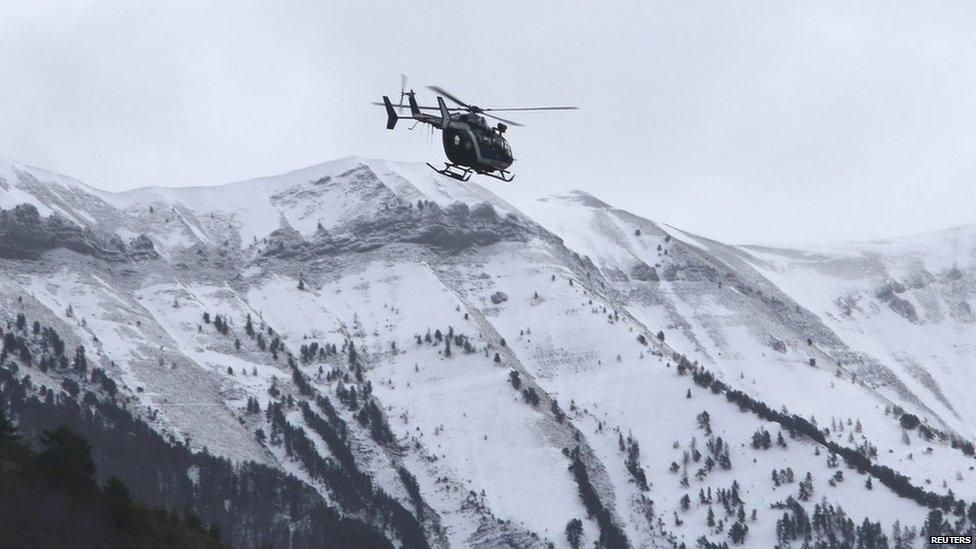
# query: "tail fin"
391, 115
414, 109
445, 114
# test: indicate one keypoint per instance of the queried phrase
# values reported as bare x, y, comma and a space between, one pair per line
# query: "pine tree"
737, 533
574, 533
8, 432
80, 362
705, 422
514, 379
806, 488
65, 459
934, 523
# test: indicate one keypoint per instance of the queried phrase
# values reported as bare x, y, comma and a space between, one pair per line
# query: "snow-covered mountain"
367, 349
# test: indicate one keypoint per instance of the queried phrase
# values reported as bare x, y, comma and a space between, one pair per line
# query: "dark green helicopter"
471, 145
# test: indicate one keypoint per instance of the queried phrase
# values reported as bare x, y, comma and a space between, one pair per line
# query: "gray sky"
756, 121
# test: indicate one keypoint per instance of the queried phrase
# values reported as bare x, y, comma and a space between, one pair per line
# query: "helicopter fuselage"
469, 141
471, 145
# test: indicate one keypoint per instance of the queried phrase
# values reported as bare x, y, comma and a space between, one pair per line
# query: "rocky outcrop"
25, 234
451, 229
888, 293
644, 272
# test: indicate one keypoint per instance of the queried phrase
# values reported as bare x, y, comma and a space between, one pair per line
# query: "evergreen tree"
737, 533
514, 379
8, 432
934, 523
65, 460
80, 362
574, 533
806, 488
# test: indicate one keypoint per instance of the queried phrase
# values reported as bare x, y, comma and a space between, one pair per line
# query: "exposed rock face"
452, 229
644, 273
141, 248
25, 234
779, 345
889, 294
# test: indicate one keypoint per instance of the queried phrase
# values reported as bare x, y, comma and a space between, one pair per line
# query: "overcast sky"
752, 121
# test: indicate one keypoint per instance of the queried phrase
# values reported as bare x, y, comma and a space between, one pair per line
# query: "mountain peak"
577, 196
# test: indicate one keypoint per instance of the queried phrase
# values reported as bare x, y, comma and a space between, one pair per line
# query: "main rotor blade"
448, 95
533, 109
509, 122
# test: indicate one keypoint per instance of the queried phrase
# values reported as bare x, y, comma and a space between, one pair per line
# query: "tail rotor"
403, 90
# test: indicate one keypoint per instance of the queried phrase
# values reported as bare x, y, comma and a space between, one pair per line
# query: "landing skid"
463, 174
453, 171
501, 175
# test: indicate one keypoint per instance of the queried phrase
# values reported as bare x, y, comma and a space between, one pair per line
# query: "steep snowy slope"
797, 329
875, 312
905, 302
446, 370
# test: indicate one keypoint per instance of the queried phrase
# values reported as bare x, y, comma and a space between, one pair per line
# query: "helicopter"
471, 145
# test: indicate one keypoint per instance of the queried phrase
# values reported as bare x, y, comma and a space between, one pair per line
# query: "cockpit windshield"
476, 120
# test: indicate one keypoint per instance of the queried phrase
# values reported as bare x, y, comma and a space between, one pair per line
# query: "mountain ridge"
474, 344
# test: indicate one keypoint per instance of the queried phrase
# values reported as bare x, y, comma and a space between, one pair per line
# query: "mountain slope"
449, 370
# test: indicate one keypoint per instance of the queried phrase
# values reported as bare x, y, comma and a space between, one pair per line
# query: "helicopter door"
459, 147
